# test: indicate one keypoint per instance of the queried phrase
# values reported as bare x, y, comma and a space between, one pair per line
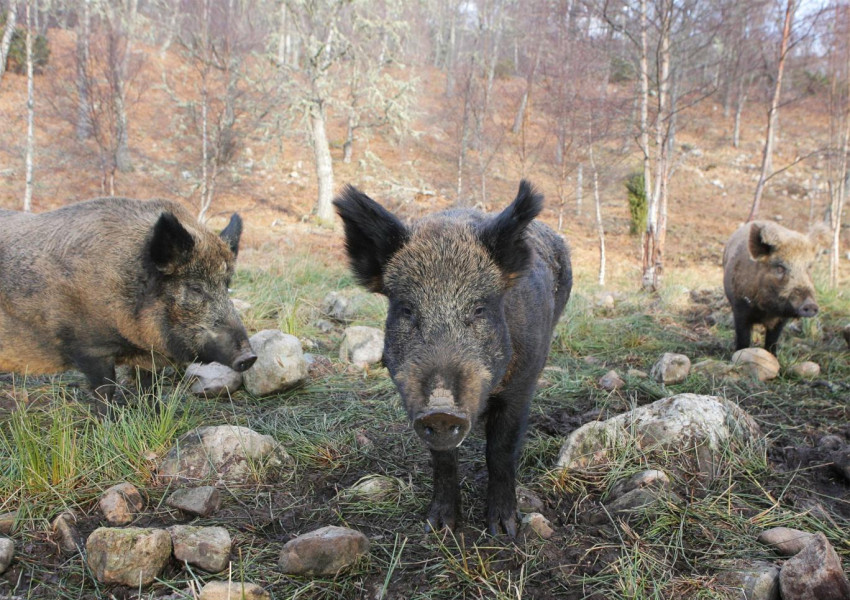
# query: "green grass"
344, 425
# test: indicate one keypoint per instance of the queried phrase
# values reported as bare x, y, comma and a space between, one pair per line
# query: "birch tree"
838, 174
30, 110
8, 31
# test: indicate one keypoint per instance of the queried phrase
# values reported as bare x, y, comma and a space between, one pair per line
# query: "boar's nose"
244, 361
441, 429
809, 308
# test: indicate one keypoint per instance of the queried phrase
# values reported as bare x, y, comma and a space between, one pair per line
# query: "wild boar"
473, 300
112, 281
767, 281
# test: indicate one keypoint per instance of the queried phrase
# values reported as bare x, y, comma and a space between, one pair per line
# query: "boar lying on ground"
766, 278
114, 280
473, 301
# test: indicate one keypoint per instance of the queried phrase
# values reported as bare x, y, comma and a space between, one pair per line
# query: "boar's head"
783, 282
186, 296
447, 341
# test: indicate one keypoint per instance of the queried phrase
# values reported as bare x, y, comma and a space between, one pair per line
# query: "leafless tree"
30, 110
8, 30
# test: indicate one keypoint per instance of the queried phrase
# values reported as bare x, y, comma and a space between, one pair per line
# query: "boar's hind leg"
743, 327
445, 504
771, 336
506, 421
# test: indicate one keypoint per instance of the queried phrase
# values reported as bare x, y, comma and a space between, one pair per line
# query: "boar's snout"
442, 429
244, 361
809, 308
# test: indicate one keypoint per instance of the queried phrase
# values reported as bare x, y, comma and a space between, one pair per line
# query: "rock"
7, 553
280, 363
814, 573
228, 452
207, 548
527, 501
342, 307
202, 501
222, 590
806, 370
757, 363
362, 346
324, 326
713, 368
786, 541
645, 479
758, 581
611, 381
535, 523
130, 556
212, 379
841, 462
830, 442
685, 421
8, 522
671, 368
637, 374
65, 533
593, 361
240, 305
323, 552
373, 488
120, 503
605, 300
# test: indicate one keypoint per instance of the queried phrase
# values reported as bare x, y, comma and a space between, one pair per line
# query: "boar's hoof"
440, 516
499, 521
441, 429
244, 361
809, 308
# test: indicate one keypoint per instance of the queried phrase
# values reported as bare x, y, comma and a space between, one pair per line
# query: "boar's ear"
759, 244
372, 235
504, 234
170, 244
232, 233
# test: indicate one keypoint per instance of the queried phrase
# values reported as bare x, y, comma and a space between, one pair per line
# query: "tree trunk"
649, 236
30, 113
83, 127
529, 81
122, 151
736, 129
347, 147
600, 230
324, 166
6, 41
773, 111
450, 56
579, 188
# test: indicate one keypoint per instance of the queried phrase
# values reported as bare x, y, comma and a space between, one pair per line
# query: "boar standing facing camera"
111, 281
766, 278
473, 300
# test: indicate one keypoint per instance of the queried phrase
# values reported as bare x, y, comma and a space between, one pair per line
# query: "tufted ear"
504, 234
372, 236
170, 244
760, 242
232, 233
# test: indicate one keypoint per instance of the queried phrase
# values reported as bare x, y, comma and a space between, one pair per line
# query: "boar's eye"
195, 292
779, 270
405, 311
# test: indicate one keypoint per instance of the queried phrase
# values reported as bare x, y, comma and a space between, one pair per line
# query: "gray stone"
225, 452
280, 363
65, 533
714, 368
341, 306
212, 379
373, 488
527, 501
202, 500
233, 590
841, 462
362, 346
637, 374
671, 368
611, 381
207, 548
645, 479
786, 541
8, 522
7, 553
535, 523
831, 442
129, 556
120, 504
814, 573
806, 370
241, 306
758, 581
757, 363
324, 326
323, 552
678, 422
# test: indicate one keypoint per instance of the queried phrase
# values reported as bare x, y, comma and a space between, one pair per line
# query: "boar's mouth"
441, 424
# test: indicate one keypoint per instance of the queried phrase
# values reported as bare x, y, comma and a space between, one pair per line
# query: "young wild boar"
766, 278
473, 300
110, 281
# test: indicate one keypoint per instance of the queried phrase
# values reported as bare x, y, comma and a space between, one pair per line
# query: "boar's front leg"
506, 422
445, 504
771, 335
101, 375
743, 326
